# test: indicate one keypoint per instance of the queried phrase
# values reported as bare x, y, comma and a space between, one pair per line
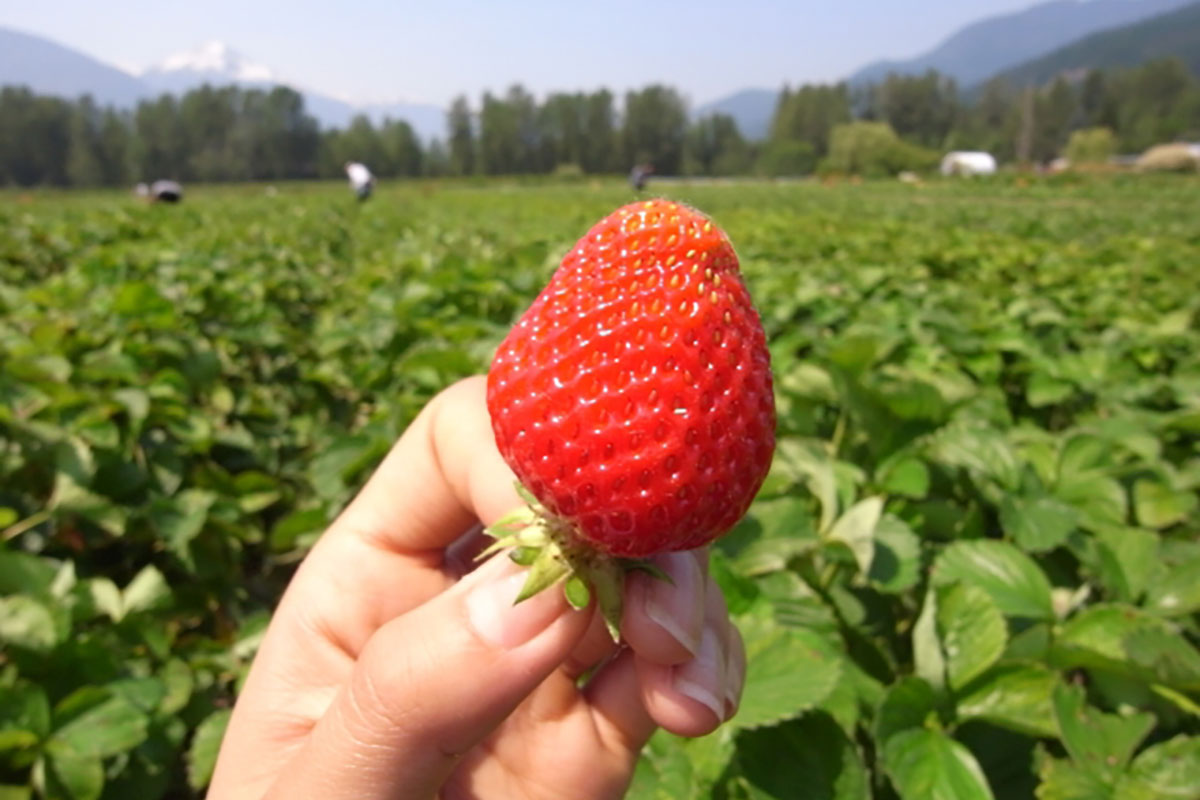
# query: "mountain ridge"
47, 67
981, 49
1173, 34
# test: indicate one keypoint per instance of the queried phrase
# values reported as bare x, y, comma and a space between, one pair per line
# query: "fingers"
693, 697
432, 684
662, 620
649, 686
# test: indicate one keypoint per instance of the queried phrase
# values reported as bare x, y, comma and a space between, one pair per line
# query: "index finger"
441, 477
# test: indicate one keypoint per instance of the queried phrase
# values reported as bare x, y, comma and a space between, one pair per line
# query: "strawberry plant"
971, 570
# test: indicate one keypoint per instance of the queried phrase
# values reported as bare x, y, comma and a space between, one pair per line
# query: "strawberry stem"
547, 545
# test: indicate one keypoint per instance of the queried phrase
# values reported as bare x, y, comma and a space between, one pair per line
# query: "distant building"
967, 162
1174, 157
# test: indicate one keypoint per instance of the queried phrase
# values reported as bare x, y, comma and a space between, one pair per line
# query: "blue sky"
374, 50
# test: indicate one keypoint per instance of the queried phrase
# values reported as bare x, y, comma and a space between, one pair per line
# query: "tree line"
236, 134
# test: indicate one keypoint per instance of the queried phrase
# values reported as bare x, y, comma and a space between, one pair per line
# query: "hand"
392, 670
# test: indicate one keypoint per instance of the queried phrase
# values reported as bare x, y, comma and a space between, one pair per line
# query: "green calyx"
554, 554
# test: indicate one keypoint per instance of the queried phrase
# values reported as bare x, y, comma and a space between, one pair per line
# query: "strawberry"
633, 401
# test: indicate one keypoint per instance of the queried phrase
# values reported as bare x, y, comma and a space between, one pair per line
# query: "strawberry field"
973, 571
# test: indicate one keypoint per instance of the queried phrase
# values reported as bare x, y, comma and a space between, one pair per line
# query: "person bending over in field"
361, 179
396, 667
639, 175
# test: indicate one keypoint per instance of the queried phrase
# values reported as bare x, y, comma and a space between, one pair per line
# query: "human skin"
394, 668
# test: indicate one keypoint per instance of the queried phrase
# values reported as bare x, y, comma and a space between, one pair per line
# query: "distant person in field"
160, 191
397, 667
361, 179
639, 175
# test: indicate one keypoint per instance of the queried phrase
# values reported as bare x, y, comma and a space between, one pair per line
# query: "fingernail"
734, 676
703, 678
499, 622
677, 609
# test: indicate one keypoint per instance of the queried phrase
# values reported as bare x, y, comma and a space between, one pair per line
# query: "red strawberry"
633, 399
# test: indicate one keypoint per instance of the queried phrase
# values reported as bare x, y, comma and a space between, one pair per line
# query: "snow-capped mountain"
212, 62
218, 64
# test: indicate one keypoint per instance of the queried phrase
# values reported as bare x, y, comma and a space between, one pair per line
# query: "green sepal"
524, 556
547, 546
511, 523
646, 566
548, 568
608, 581
577, 592
528, 497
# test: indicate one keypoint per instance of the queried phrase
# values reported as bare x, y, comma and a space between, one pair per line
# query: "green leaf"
928, 765
181, 518
928, 657
896, 566
1166, 656
1045, 391
855, 353
71, 498
1098, 499
136, 403
663, 772
24, 707
106, 597
298, 529
1176, 593
1096, 637
70, 775
739, 591
178, 681
98, 723
202, 755
1099, 741
21, 573
907, 704
1012, 696
1159, 506
74, 459
27, 623
1127, 558
1062, 780
1163, 772
856, 530
981, 451
15, 792
145, 694
908, 477
804, 759
810, 462
1015, 582
774, 657
1036, 524
340, 462
775, 532
971, 630
147, 591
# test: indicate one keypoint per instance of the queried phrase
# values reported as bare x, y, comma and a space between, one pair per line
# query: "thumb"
430, 685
